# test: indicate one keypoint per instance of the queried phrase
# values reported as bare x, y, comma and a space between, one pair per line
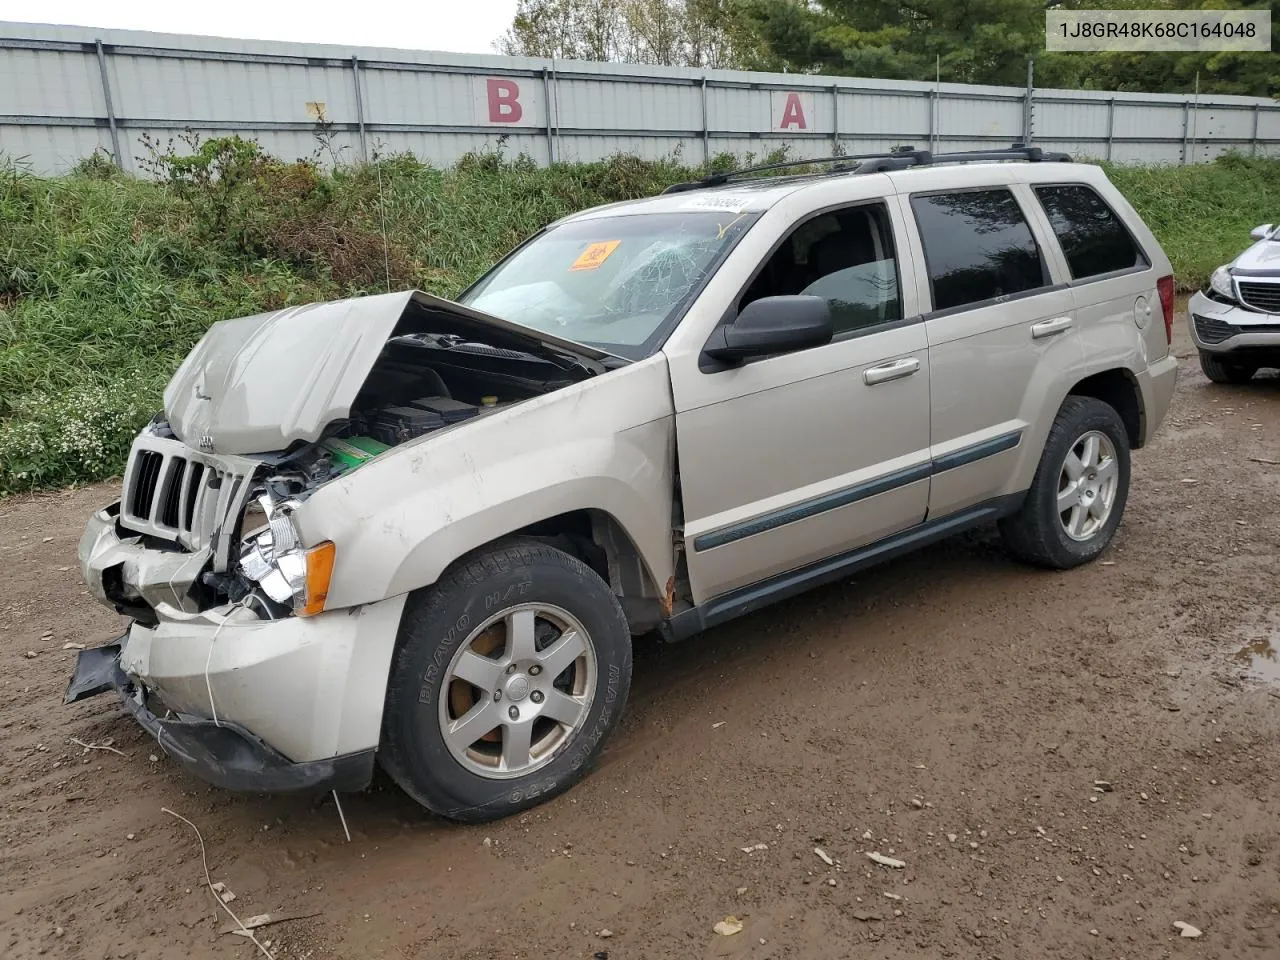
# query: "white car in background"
1235, 319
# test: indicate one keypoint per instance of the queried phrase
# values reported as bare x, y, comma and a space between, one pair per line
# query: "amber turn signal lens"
319, 570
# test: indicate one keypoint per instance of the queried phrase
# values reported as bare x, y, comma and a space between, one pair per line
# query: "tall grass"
106, 281
1202, 214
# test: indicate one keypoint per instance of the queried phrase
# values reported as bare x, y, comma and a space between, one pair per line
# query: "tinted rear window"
977, 246
1092, 236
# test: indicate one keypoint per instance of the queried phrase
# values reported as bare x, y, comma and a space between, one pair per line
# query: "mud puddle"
1260, 660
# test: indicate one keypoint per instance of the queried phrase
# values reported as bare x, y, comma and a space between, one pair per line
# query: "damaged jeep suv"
406, 530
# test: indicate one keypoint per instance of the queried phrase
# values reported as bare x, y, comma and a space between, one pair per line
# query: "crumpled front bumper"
222, 753
242, 701
123, 573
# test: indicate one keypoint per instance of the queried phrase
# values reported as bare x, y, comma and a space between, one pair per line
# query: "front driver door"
790, 459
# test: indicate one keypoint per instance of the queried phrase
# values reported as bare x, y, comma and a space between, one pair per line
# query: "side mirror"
1262, 232
772, 325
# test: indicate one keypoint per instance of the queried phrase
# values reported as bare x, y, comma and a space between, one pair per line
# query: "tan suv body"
696, 404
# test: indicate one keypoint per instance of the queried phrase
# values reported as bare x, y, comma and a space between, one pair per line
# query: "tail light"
1165, 286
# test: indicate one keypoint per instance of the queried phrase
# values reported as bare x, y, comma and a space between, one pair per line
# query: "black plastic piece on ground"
222, 753
97, 671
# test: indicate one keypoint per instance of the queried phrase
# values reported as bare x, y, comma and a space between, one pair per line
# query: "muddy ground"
951, 709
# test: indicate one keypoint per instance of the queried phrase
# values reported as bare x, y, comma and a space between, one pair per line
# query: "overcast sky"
466, 26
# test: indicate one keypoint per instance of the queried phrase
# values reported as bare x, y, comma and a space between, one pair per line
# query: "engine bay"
422, 383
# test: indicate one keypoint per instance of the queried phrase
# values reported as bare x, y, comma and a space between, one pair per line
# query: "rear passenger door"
1112, 284
1001, 332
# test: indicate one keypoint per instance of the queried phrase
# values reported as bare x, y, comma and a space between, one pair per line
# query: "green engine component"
353, 451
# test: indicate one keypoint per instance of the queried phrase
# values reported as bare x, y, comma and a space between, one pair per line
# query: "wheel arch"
1119, 389
601, 541
604, 544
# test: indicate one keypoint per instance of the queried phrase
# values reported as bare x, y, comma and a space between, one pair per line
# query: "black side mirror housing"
772, 325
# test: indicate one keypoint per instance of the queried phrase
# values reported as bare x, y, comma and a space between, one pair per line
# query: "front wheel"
1078, 495
509, 676
1219, 371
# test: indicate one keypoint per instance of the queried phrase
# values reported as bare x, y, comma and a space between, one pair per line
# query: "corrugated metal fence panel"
895, 117
53, 106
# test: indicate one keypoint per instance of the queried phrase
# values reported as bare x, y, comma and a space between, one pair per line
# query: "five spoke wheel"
517, 688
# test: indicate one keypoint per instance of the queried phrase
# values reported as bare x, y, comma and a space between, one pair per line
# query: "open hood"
258, 384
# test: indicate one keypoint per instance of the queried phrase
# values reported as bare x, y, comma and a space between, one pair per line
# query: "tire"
540, 596
1220, 371
1038, 533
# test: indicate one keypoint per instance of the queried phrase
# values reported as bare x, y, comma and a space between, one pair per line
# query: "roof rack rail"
899, 159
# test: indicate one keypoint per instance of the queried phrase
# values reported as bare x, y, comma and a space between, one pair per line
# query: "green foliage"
985, 41
684, 33
107, 281
1202, 214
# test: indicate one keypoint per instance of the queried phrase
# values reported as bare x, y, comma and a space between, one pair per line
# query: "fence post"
355, 74
111, 113
1186, 127
1253, 138
933, 121
1028, 120
706, 125
835, 119
1111, 125
1195, 116
546, 98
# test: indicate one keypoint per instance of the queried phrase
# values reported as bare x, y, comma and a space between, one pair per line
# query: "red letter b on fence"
504, 101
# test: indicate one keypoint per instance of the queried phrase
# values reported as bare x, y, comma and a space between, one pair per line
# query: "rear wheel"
510, 675
1220, 371
1080, 488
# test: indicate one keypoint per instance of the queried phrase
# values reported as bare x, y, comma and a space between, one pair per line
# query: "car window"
613, 282
1092, 236
978, 246
846, 257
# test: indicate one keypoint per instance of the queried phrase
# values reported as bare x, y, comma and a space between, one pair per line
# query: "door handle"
890, 371
1049, 328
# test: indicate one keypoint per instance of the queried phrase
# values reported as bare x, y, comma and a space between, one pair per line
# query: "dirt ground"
952, 709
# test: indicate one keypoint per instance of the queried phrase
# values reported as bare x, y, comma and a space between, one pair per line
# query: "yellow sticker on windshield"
595, 254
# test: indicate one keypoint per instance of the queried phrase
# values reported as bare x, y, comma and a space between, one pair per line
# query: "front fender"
605, 444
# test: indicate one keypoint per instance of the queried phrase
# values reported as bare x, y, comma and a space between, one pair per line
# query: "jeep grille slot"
167, 515
1260, 296
190, 488
146, 473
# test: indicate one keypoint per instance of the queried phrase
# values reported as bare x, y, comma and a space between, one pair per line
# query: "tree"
694, 33
985, 41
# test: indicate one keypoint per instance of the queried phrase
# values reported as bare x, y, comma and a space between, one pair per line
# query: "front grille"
1261, 296
191, 499
1211, 330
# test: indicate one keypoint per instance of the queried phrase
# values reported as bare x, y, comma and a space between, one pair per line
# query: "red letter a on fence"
793, 113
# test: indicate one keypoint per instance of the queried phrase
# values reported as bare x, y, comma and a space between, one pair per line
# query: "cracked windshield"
611, 283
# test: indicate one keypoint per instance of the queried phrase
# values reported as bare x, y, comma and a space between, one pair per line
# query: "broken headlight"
275, 559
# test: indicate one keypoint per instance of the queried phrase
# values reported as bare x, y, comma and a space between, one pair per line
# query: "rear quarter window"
1094, 239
